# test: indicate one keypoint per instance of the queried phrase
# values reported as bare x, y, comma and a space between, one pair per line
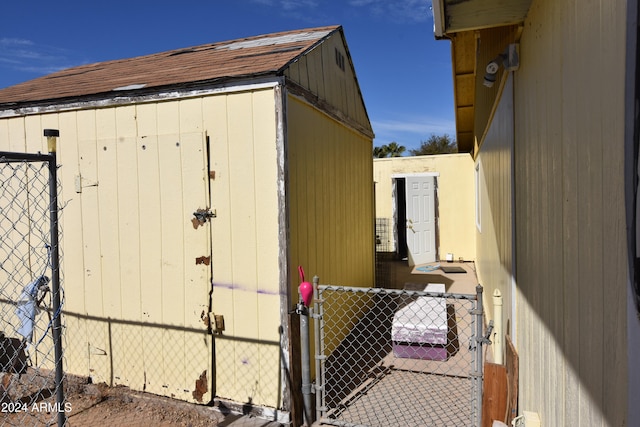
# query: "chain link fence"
398, 357
31, 375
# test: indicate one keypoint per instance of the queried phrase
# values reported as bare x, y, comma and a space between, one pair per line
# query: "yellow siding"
570, 225
330, 199
455, 197
494, 265
133, 293
319, 73
242, 131
133, 176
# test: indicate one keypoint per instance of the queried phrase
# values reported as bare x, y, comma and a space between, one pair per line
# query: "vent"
131, 87
340, 59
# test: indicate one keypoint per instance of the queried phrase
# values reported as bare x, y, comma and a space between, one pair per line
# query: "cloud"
396, 10
411, 130
426, 125
289, 5
14, 42
298, 4
26, 56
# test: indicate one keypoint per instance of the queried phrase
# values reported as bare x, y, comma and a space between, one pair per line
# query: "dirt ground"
100, 405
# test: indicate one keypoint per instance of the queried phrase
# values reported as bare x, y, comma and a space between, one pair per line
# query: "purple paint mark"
245, 361
235, 287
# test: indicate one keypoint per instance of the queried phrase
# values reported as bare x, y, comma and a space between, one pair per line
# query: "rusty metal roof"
189, 67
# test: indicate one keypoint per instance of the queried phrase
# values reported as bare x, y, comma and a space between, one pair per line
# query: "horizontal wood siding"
570, 225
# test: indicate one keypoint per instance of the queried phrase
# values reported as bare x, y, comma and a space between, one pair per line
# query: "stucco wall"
455, 196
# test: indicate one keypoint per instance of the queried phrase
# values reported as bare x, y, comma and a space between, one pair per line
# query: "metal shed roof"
198, 65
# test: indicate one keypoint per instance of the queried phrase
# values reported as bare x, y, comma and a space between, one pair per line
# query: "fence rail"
398, 357
31, 371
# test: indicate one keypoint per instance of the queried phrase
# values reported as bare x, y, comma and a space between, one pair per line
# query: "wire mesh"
397, 357
29, 385
383, 252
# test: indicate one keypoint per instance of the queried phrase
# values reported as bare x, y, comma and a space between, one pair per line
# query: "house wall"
136, 296
494, 231
570, 224
455, 191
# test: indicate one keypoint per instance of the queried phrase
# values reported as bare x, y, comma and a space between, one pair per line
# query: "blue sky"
404, 73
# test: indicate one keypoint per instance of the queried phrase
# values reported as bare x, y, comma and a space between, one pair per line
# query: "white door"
421, 229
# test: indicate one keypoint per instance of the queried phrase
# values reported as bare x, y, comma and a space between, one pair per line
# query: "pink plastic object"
305, 288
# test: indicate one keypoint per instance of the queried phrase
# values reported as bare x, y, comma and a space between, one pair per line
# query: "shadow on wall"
176, 350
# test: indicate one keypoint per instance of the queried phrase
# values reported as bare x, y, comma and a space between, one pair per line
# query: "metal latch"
203, 215
217, 323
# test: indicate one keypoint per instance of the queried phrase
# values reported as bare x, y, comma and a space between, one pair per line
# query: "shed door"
420, 221
174, 179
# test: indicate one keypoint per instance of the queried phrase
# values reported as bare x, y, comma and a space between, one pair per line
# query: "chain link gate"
31, 371
398, 357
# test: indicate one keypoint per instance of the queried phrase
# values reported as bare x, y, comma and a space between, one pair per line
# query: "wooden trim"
327, 108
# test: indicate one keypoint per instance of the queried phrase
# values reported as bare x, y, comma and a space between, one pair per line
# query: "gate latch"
202, 216
485, 339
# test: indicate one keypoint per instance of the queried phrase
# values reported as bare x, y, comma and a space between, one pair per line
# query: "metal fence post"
319, 351
303, 311
52, 135
479, 312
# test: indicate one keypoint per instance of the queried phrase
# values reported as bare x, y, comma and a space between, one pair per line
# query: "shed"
195, 182
443, 224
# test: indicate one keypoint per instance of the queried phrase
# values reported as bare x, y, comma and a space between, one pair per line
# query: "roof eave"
438, 18
149, 94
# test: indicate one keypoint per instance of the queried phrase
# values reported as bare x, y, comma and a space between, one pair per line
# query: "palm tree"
395, 150
380, 152
392, 149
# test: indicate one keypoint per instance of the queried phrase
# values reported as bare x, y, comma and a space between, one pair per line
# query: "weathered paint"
201, 387
132, 290
245, 233
144, 274
454, 195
